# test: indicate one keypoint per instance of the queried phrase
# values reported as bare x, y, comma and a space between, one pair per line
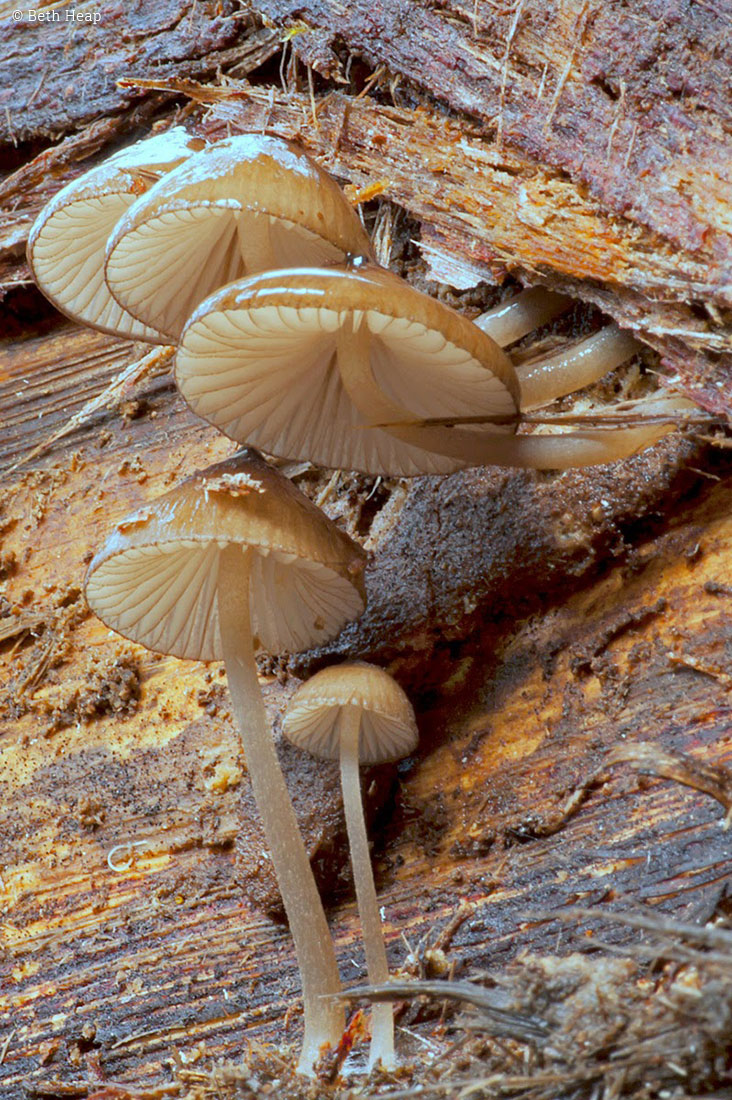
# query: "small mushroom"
290, 361
233, 555
346, 367
67, 241
357, 714
243, 205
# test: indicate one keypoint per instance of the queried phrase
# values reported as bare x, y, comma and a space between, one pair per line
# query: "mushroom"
356, 713
235, 558
243, 205
68, 238
346, 366
270, 360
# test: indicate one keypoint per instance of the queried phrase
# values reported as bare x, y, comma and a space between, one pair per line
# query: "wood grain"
132, 870
539, 622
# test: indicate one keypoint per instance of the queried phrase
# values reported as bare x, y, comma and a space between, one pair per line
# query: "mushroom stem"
255, 239
353, 347
488, 448
382, 1016
552, 376
324, 1018
543, 452
528, 310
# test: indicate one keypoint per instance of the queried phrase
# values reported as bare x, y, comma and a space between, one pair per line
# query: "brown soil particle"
114, 689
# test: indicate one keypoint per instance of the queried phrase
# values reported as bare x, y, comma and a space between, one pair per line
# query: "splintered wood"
566, 640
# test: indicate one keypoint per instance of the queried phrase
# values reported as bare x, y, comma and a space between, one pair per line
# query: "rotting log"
60, 74
133, 872
538, 621
591, 111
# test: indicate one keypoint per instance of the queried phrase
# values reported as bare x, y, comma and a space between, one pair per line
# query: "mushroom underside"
164, 267
173, 607
271, 376
68, 259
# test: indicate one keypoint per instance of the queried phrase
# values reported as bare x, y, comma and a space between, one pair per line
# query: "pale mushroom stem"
490, 448
382, 1016
324, 1017
552, 376
255, 239
546, 452
526, 311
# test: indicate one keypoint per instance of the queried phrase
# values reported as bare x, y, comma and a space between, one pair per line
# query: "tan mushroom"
274, 359
345, 367
234, 558
67, 242
357, 714
243, 205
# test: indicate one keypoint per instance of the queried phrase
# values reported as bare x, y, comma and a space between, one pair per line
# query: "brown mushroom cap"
246, 204
388, 726
67, 242
155, 579
259, 359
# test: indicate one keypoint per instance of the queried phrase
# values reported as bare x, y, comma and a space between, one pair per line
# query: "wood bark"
539, 622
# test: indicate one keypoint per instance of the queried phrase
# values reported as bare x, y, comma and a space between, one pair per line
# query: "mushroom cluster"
233, 560
291, 338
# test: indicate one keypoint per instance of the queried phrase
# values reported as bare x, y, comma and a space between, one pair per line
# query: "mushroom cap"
155, 578
388, 726
258, 360
67, 242
228, 212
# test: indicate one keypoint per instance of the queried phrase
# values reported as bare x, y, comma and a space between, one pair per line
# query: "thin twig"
568, 67
504, 71
494, 1004
611, 420
6, 1044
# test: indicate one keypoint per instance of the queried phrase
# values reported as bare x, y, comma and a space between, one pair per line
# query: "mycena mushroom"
246, 204
234, 554
67, 241
357, 714
344, 367
270, 359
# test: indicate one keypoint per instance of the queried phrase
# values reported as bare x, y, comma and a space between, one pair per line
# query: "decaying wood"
60, 74
612, 116
543, 624
616, 100
131, 866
